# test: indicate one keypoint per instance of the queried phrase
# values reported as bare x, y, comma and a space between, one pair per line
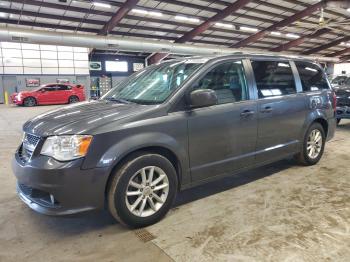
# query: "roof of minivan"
242, 55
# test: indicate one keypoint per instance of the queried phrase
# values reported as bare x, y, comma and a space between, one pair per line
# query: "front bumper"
59, 188
343, 112
16, 102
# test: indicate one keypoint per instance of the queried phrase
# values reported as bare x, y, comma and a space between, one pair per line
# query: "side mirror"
203, 98
42, 90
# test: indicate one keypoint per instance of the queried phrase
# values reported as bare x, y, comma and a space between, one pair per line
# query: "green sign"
95, 66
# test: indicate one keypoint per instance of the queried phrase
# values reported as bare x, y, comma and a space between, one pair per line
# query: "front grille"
28, 146
32, 139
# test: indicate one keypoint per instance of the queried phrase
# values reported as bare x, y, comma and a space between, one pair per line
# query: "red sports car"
50, 94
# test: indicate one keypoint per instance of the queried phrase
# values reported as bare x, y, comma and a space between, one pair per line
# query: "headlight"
64, 148
19, 97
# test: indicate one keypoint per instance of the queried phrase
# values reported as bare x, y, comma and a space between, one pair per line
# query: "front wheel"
313, 145
142, 190
29, 101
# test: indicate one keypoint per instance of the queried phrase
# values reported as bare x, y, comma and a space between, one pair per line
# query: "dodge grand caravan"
172, 126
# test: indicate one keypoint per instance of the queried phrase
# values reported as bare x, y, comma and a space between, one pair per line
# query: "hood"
26, 92
81, 118
343, 90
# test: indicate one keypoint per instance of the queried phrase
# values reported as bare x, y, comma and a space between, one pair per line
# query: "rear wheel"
313, 146
73, 99
142, 191
29, 101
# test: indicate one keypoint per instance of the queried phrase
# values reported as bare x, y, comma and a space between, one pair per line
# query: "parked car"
339, 80
343, 100
173, 126
50, 94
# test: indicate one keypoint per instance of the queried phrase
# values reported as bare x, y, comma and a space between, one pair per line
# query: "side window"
63, 87
227, 80
311, 76
50, 88
273, 78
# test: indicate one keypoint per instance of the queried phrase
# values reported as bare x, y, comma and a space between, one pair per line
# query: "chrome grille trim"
30, 141
29, 144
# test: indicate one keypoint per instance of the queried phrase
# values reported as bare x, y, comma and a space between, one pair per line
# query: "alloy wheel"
29, 101
73, 99
314, 144
147, 191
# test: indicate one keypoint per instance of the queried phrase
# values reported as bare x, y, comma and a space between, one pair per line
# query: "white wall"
339, 68
33, 59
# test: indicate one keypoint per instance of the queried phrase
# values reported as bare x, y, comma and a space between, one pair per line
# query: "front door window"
228, 81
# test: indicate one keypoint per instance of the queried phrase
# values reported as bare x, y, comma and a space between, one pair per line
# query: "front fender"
140, 141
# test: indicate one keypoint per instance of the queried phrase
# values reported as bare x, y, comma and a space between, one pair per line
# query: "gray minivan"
172, 126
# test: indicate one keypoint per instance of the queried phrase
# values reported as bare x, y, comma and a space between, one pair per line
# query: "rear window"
273, 78
311, 76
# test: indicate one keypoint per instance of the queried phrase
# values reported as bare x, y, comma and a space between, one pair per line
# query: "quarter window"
273, 78
311, 76
227, 80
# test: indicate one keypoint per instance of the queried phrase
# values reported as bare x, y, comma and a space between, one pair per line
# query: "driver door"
46, 94
222, 138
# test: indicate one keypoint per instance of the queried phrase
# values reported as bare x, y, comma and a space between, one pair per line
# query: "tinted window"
227, 80
64, 87
311, 76
50, 88
273, 78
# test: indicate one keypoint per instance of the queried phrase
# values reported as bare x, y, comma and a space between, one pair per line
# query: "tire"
29, 101
338, 121
127, 209
73, 99
305, 156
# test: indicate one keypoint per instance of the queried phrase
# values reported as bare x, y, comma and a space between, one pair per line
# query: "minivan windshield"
154, 84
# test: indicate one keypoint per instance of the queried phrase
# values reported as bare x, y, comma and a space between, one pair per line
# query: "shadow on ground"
97, 220
231, 182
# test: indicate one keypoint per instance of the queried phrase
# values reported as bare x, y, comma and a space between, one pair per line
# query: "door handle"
267, 109
247, 113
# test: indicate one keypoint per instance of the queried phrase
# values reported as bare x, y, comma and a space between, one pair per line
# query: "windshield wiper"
118, 100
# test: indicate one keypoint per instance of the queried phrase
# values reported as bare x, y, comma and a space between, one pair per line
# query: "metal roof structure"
267, 25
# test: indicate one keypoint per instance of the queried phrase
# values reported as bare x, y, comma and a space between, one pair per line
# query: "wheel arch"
324, 123
160, 150
316, 116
